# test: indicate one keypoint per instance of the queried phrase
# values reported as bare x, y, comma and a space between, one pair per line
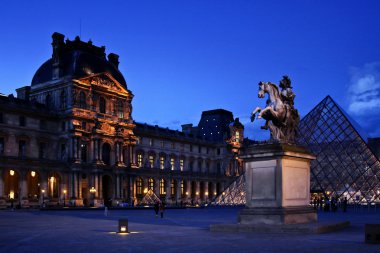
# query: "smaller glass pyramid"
233, 195
149, 199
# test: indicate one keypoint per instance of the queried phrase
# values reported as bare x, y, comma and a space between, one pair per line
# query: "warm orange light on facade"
33, 173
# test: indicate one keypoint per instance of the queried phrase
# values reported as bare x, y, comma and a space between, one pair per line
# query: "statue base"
277, 216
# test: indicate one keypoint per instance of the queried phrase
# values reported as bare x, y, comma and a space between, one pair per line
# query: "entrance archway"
107, 190
11, 184
33, 181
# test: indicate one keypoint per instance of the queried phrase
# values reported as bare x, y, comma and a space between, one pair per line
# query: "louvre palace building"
69, 139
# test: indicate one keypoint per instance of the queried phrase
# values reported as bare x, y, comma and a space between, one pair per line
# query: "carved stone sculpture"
280, 115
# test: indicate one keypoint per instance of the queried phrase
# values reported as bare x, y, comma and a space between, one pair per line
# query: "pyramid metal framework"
149, 199
233, 195
345, 165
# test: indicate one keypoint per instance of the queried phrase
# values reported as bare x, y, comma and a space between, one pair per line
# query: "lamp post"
43, 197
93, 191
64, 198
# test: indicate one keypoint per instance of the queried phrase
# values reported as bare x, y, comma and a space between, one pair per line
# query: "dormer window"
102, 105
237, 136
120, 109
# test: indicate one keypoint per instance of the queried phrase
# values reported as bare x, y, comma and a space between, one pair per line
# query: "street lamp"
93, 191
64, 198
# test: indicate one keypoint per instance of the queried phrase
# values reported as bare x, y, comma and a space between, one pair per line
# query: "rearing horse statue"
281, 117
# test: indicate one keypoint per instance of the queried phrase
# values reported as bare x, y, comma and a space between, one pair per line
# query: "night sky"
182, 57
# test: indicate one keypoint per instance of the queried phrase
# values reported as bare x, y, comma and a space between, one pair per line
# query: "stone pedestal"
277, 179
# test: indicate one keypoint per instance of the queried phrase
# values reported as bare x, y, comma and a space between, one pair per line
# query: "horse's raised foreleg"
253, 114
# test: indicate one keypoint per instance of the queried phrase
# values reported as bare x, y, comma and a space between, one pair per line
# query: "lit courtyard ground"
181, 230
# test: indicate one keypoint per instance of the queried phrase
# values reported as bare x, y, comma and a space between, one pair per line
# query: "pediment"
103, 80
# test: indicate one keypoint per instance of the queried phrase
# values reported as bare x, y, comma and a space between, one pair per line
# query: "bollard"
123, 226
105, 211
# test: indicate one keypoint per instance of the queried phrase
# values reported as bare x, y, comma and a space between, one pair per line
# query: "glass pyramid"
149, 199
345, 165
233, 195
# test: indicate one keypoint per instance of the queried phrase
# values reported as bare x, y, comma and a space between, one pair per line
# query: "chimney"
57, 52
114, 59
23, 93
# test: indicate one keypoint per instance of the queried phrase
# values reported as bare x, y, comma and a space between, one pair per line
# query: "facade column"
44, 186
117, 187
178, 191
197, 190
157, 186
131, 191
1, 184
213, 189
96, 184
188, 190
75, 148
95, 151
168, 190
206, 193
24, 187
75, 192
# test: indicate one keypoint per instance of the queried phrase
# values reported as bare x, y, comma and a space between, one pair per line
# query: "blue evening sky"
182, 57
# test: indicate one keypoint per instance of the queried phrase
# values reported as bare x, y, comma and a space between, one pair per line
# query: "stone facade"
69, 139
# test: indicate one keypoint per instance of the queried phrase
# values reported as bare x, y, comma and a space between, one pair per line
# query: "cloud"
364, 90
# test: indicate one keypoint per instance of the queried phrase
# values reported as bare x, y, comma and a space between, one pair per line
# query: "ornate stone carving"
280, 115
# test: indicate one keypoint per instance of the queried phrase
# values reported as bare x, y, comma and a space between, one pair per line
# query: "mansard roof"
77, 59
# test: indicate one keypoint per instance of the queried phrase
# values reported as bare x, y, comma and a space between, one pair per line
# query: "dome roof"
77, 59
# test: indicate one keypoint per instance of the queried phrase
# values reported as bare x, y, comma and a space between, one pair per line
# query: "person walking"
345, 204
156, 207
162, 209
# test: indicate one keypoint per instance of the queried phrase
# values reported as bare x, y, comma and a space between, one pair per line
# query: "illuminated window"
139, 186
82, 100
181, 163
237, 136
182, 188
120, 109
139, 160
102, 105
162, 162
151, 161
172, 163
162, 187
172, 187
150, 184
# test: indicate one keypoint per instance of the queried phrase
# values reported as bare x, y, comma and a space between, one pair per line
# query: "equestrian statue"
280, 115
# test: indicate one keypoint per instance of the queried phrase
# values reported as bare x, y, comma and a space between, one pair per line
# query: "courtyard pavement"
181, 230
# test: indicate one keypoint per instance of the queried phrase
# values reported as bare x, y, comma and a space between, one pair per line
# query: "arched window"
102, 105
162, 187
82, 100
62, 99
150, 184
120, 109
139, 186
